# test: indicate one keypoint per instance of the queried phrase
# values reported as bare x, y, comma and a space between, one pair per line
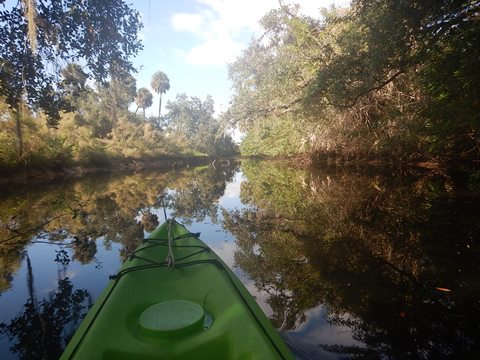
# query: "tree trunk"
160, 106
114, 106
138, 107
18, 130
112, 90
144, 113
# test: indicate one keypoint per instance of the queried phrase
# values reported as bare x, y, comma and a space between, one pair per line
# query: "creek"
348, 263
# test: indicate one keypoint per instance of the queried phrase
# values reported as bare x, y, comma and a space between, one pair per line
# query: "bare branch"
363, 93
39, 227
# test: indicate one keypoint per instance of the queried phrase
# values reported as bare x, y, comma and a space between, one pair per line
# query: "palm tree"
144, 99
160, 84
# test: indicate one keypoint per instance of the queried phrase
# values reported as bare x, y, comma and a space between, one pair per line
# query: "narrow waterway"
347, 263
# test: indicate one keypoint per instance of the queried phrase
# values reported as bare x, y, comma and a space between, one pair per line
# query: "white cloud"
224, 27
187, 22
232, 190
233, 16
215, 51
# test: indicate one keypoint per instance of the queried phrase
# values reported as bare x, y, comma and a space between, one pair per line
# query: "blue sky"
193, 40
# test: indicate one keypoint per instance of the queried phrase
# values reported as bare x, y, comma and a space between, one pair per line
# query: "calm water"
347, 263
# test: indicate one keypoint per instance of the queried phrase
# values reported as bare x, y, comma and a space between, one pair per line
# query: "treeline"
66, 86
380, 79
99, 129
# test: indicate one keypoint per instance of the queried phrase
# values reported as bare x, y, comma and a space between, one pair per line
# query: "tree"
160, 84
192, 120
120, 91
35, 38
273, 73
99, 108
74, 78
380, 77
144, 99
73, 86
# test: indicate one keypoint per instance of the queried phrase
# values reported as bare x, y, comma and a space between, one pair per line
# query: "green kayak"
175, 299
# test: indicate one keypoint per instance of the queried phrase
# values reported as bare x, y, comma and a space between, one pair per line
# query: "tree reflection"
10, 262
391, 256
198, 197
82, 211
108, 209
149, 221
44, 327
84, 249
76, 218
275, 260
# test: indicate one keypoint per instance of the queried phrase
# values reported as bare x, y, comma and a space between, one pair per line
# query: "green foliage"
384, 78
451, 80
43, 147
160, 84
98, 127
100, 130
225, 146
94, 155
191, 121
8, 153
143, 99
73, 83
35, 39
276, 136
90, 113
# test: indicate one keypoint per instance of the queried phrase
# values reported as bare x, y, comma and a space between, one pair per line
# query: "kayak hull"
196, 309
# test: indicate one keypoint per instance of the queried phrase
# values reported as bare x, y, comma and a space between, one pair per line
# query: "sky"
192, 41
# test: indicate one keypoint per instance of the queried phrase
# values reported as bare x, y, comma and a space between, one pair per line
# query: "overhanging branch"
363, 93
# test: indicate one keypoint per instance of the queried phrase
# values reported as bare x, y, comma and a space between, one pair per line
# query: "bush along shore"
38, 174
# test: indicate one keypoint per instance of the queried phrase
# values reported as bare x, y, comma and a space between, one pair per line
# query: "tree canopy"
143, 99
39, 38
192, 121
397, 77
160, 84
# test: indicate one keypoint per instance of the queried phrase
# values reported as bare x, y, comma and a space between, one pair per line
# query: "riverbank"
438, 165
37, 174
28, 174
390, 160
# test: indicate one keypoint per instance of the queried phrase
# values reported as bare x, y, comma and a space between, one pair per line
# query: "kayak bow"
174, 298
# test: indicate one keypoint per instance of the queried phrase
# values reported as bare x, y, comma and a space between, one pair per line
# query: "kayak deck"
196, 309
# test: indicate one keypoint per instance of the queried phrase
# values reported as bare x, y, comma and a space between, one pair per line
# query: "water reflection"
392, 257
44, 327
83, 220
350, 264
199, 197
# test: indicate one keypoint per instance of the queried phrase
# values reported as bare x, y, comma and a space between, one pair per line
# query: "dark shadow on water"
393, 257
